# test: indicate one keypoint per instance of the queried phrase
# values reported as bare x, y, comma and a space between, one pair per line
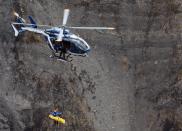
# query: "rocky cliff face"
131, 80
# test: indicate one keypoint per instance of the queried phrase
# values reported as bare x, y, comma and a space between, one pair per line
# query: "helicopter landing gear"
65, 57
61, 56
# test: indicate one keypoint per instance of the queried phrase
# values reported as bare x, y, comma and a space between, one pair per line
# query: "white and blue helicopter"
61, 41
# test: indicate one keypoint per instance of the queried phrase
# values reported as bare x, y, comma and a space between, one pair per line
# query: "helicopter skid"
75, 54
60, 58
63, 60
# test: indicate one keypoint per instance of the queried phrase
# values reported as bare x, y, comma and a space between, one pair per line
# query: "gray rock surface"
131, 80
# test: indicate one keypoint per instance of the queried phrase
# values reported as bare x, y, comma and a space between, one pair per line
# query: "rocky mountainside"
131, 80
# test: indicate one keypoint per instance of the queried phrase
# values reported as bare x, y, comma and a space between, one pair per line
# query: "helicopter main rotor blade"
14, 23
93, 28
65, 16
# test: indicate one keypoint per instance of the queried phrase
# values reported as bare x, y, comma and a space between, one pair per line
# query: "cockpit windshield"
77, 44
80, 44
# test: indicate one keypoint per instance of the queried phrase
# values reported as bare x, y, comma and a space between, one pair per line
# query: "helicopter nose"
87, 50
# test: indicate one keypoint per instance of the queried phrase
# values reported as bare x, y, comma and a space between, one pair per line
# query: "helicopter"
60, 40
